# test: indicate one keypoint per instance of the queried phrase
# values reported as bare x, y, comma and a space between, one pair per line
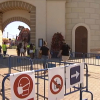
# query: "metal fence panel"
4, 61
19, 63
89, 58
42, 84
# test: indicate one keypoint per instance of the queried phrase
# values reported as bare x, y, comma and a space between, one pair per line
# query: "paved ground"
94, 83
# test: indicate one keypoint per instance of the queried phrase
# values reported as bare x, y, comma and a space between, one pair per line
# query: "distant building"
77, 20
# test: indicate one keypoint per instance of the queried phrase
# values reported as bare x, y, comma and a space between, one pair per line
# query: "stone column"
33, 25
0, 28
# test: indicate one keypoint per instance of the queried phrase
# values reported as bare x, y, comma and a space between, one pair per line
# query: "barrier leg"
9, 65
44, 86
65, 78
3, 87
90, 93
37, 87
86, 77
31, 62
80, 91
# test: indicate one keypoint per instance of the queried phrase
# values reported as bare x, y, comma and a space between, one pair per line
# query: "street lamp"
7, 34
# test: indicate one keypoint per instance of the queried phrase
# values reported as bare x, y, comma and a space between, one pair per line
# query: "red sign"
59, 86
23, 86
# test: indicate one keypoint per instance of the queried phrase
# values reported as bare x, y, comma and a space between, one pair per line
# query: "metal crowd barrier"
92, 59
38, 63
4, 61
19, 64
89, 58
42, 84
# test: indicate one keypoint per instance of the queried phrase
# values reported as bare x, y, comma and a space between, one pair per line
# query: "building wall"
87, 12
0, 28
40, 16
50, 18
0, 37
16, 13
56, 16
55, 19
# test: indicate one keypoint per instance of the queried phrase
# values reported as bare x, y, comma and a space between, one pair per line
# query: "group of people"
23, 47
45, 52
64, 51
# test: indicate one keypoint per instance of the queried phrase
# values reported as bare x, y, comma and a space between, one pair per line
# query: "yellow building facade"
77, 20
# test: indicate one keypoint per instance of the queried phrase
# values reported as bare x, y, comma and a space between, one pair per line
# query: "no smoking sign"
56, 86
56, 83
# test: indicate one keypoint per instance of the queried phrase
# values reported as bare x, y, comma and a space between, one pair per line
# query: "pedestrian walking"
4, 48
64, 51
0, 49
18, 49
28, 49
44, 50
34, 50
22, 51
31, 51
25, 47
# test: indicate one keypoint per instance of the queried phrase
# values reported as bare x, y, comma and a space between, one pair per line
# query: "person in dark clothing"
22, 50
64, 51
0, 49
31, 51
28, 47
44, 50
18, 49
34, 50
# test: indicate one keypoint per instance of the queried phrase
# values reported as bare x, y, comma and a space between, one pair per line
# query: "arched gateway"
18, 11
45, 17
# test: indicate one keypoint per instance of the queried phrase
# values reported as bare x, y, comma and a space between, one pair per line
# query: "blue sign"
74, 75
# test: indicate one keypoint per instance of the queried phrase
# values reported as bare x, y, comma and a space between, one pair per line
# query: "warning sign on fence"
23, 85
56, 83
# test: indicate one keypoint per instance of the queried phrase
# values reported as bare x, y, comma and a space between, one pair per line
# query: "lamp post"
7, 34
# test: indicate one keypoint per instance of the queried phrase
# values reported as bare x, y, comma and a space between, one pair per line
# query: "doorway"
81, 36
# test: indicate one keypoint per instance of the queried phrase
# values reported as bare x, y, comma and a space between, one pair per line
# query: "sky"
12, 29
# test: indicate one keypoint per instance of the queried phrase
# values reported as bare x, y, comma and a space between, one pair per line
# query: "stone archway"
73, 36
16, 19
19, 5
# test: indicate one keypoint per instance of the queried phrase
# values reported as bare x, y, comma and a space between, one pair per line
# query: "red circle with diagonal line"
23, 86
58, 86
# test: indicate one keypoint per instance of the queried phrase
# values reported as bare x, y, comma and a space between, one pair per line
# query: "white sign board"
56, 83
23, 85
74, 75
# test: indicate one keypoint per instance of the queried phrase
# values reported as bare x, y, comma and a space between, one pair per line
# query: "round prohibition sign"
23, 86
57, 85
